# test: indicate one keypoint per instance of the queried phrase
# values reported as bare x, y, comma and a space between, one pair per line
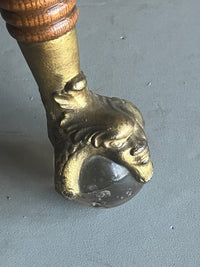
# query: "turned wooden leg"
101, 151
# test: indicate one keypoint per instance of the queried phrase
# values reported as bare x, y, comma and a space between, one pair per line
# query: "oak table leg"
101, 151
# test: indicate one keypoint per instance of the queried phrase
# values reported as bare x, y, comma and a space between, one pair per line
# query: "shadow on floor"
31, 159
26, 172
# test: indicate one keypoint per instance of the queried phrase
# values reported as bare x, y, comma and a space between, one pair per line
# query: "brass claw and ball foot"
101, 152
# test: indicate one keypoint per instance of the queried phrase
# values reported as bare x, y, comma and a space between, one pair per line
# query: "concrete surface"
148, 52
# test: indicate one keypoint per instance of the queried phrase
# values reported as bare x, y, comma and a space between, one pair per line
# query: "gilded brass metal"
82, 124
101, 152
97, 125
53, 63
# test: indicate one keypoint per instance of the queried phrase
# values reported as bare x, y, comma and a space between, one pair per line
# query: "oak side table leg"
101, 152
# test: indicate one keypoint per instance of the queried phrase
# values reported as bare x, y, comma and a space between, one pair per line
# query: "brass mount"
81, 125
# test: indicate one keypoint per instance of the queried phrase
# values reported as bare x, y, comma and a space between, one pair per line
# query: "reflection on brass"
91, 125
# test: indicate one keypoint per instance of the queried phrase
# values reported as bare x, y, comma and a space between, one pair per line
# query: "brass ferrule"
53, 63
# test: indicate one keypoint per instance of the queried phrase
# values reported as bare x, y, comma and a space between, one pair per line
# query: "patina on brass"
80, 123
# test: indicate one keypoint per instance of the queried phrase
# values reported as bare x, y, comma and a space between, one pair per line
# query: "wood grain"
39, 20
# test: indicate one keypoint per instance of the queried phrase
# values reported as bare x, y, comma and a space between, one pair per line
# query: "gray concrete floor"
156, 66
